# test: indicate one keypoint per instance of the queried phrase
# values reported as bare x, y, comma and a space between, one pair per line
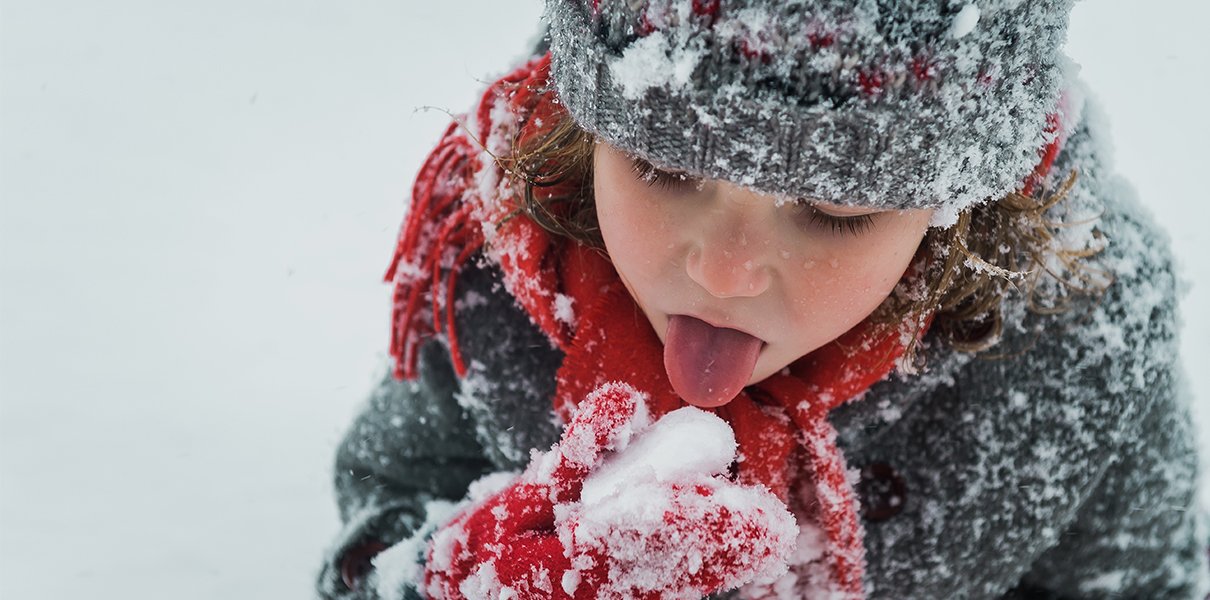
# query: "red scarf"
772, 420
462, 198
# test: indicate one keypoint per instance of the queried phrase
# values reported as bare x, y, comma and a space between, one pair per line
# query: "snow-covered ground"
198, 202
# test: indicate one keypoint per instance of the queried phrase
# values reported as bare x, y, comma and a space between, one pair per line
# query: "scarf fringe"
444, 227
438, 224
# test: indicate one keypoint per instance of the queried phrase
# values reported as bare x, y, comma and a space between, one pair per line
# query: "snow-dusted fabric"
1066, 468
888, 104
577, 299
613, 512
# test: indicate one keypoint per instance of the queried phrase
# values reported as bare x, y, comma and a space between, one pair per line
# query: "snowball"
484, 583
686, 443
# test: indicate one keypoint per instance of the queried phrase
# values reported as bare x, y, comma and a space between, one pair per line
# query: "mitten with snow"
617, 509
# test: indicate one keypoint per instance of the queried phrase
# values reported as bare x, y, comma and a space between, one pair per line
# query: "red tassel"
440, 221
441, 183
1047, 154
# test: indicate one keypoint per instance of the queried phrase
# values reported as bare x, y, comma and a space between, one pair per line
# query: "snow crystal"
965, 21
889, 412
563, 309
654, 61
753, 28
484, 583
1018, 399
470, 299
401, 565
946, 215
571, 581
810, 568
542, 466
1104, 583
581, 447
541, 580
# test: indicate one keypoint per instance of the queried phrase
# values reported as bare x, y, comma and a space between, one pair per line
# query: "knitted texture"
884, 104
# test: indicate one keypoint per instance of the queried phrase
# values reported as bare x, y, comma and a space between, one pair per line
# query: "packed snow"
652, 514
684, 443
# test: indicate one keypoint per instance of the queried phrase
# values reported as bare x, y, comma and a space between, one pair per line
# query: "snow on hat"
880, 103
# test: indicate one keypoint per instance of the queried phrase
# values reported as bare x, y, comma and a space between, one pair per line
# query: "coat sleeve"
415, 442
1140, 532
1063, 464
410, 444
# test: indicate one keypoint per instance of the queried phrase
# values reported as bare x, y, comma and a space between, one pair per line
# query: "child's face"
794, 275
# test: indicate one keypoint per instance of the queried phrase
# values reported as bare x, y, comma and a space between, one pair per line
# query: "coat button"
882, 492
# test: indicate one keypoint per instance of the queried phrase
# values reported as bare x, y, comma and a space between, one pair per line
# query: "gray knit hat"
881, 103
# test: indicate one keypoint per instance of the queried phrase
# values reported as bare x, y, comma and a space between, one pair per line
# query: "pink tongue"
708, 365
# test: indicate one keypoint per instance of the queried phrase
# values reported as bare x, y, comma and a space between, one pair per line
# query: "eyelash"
855, 225
649, 174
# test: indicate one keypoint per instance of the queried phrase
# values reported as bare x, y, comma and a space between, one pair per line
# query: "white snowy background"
198, 203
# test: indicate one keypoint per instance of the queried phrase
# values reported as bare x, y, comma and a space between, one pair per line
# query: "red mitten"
600, 517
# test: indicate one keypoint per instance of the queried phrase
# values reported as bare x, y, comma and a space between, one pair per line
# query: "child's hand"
600, 517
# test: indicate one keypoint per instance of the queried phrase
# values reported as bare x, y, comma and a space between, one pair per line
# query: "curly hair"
995, 248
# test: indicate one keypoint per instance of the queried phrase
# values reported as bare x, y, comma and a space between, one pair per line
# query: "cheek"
623, 221
879, 268
636, 231
847, 280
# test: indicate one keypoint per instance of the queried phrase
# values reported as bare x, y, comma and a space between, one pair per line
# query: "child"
878, 240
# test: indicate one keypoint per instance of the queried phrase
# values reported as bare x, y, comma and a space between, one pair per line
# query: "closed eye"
848, 225
653, 176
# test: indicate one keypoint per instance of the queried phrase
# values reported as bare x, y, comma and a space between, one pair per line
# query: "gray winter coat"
1066, 468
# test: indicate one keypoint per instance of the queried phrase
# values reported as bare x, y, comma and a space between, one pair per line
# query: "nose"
729, 266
